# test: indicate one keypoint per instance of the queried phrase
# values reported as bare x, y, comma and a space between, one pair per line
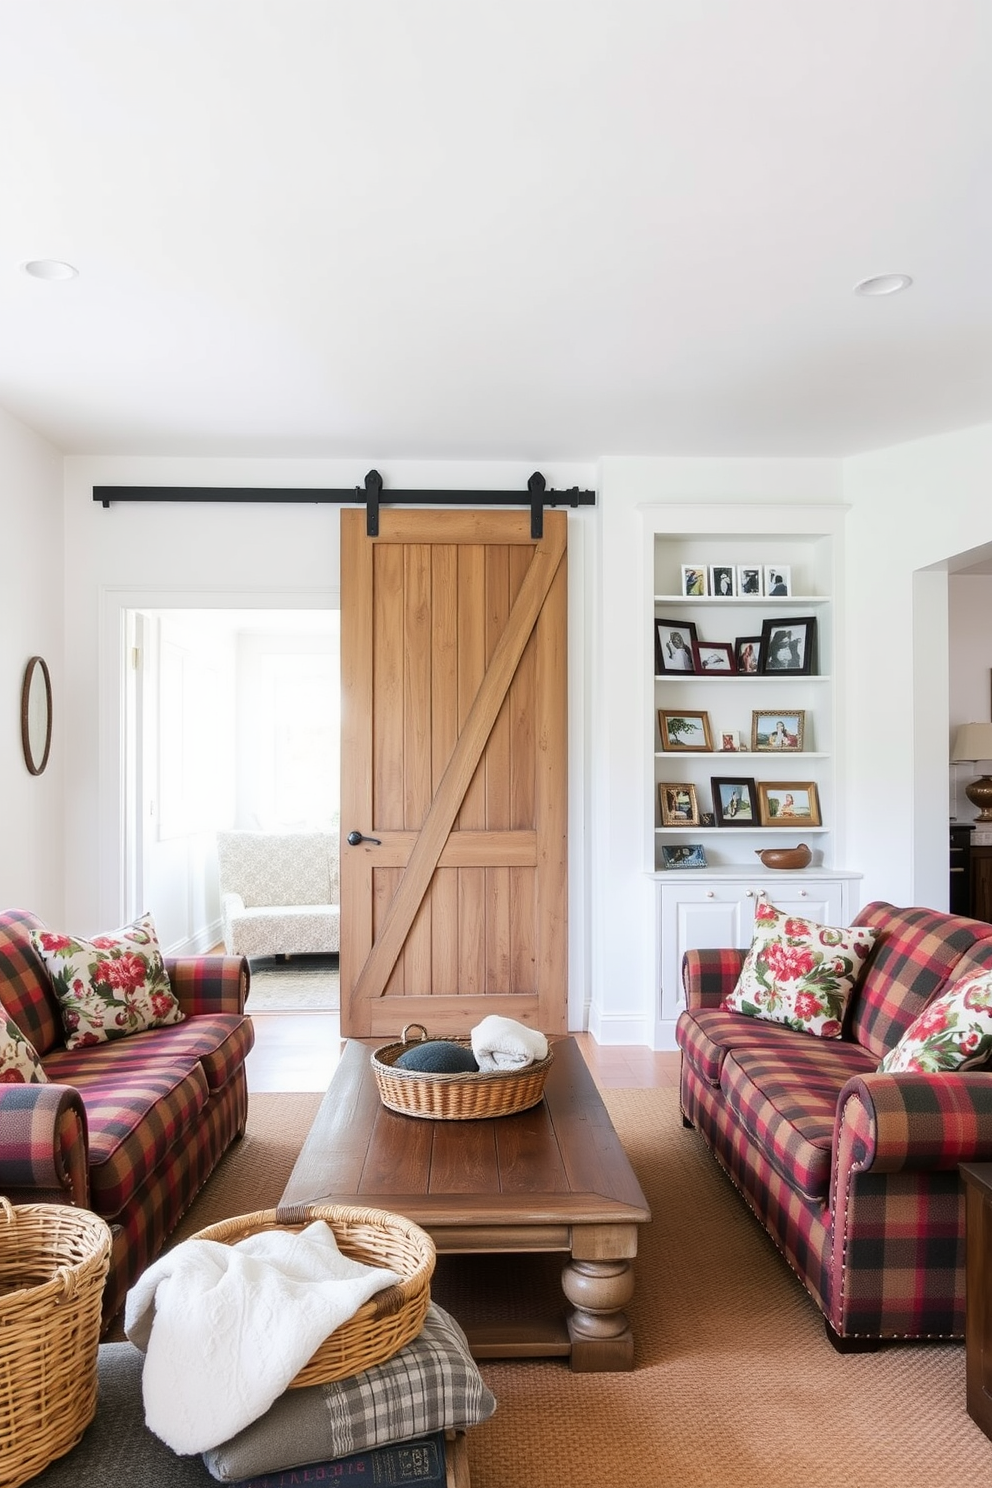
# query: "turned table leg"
597, 1325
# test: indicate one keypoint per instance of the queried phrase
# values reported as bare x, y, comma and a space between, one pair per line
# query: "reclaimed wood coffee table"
551, 1179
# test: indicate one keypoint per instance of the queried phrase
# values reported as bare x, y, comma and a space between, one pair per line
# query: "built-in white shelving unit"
714, 906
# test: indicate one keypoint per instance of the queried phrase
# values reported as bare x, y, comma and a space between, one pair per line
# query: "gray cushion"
117, 1446
430, 1385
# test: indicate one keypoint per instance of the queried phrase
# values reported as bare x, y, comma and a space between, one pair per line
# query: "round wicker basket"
390, 1319
468, 1096
54, 1261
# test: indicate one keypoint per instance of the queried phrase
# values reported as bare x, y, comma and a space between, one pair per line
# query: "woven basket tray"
53, 1265
390, 1319
468, 1096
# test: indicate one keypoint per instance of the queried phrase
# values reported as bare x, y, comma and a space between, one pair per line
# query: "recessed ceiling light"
49, 268
883, 284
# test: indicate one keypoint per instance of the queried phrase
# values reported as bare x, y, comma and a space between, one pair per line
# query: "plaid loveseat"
853, 1173
132, 1128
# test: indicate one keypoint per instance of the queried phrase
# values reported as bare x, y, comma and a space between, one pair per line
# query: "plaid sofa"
131, 1129
852, 1173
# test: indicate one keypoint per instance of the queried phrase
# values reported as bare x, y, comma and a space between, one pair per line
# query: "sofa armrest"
915, 1121
710, 976
44, 1144
209, 984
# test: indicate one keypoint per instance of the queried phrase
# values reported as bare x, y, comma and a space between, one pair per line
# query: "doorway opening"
232, 720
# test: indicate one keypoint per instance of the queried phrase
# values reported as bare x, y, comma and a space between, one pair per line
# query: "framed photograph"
713, 657
747, 655
679, 807
685, 731
750, 580
782, 803
734, 801
788, 646
730, 742
694, 580
778, 580
691, 855
675, 645
722, 579
778, 731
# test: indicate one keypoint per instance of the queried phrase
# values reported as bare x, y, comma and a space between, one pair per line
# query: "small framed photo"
730, 742
691, 855
694, 580
778, 581
778, 731
675, 645
685, 731
782, 803
714, 657
722, 580
750, 581
747, 655
788, 646
735, 803
679, 807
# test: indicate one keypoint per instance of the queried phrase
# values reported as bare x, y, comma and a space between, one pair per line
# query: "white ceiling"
542, 229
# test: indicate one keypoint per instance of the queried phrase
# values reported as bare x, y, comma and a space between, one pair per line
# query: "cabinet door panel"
696, 920
823, 902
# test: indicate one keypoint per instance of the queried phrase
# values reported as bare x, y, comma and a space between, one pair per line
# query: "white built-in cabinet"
714, 906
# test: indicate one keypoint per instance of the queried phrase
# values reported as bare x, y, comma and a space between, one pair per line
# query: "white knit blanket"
504, 1044
225, 1328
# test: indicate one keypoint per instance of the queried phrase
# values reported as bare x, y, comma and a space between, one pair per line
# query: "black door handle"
355, 839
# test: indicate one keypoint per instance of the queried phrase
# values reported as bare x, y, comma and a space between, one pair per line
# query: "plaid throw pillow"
430, 1385
954, 1032
800, 973
19, 1063
110, 986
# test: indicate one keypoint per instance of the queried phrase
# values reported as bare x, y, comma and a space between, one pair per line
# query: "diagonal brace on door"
462, 765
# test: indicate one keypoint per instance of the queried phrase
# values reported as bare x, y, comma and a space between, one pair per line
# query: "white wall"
31, 624
914, 509
623, 974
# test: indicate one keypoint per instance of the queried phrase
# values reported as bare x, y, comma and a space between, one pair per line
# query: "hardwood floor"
299, 1051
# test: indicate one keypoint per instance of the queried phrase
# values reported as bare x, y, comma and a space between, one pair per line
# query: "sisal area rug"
735, 1385
300, 984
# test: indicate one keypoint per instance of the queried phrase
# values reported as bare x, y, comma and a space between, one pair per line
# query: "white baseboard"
618, 1028
198, 944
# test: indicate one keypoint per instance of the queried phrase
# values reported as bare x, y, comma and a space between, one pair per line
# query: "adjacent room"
496, 888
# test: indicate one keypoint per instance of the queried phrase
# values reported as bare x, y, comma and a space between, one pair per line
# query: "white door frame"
119, 844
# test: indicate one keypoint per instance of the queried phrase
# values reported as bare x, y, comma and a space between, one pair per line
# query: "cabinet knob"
709, 893
749, 894
803, 893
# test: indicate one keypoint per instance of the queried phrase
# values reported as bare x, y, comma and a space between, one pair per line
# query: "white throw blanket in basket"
225, 1328
504, 1044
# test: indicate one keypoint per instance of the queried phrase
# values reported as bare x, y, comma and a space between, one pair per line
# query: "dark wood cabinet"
978, 1319
981, 882
959, 896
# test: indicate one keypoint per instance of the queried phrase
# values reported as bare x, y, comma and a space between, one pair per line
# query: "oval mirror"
36, 715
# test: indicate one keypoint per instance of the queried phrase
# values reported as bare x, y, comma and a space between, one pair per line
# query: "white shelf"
750, 678
774, 602
748, 754
793, 828
733, 873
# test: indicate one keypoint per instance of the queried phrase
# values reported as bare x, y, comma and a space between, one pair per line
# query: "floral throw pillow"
800, 973
954, 1032
19, 1063
110, 986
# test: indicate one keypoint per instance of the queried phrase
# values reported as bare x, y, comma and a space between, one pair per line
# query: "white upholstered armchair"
279, 892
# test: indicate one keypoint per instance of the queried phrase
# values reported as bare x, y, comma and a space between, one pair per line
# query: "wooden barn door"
453, 756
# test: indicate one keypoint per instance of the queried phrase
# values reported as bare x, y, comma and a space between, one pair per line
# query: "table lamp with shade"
973, 742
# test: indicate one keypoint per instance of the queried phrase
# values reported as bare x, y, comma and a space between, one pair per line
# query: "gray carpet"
301, 984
